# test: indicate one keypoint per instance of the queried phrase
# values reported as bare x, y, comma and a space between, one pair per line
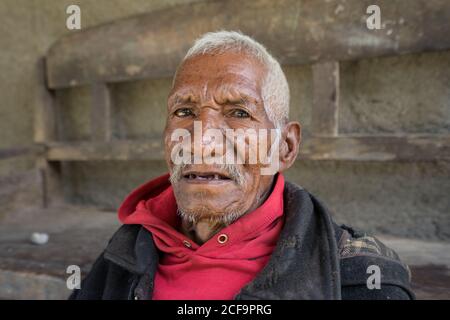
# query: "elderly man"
215, 229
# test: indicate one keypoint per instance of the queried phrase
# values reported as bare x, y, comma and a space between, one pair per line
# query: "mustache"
232, 171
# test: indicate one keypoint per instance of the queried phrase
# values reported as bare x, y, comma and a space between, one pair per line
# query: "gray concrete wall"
27, 29
407, 94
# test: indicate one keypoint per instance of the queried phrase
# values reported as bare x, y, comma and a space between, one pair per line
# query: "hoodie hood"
141, 198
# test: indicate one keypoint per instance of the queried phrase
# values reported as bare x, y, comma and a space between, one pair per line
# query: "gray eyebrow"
181, 97
226, 94
231, 90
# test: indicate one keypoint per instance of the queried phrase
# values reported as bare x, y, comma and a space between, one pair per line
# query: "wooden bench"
320, 33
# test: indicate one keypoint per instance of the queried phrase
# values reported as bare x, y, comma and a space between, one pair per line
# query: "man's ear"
289, 145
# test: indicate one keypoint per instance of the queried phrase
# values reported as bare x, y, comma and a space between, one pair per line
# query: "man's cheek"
170, 152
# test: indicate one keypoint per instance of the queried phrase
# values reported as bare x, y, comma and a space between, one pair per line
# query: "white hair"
275, 88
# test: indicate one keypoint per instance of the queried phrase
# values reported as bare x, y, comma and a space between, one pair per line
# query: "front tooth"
216, 176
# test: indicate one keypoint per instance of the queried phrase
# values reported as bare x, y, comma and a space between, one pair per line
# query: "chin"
217, 201
208, 211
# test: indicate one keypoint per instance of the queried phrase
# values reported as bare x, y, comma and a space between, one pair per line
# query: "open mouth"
205, 177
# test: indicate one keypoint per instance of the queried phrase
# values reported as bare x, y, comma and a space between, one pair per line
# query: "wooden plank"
325, 98
118, 150
33, 150
359, 148
295, 31
101, 127
377, 148
52, 184
45, 111
47, 128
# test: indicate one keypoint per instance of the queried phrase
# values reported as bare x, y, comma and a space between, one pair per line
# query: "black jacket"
314, 259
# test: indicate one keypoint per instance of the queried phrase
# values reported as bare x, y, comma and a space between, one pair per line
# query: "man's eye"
238, 113
183, 112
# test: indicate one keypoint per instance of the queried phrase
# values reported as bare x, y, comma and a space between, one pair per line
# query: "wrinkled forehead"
218, 74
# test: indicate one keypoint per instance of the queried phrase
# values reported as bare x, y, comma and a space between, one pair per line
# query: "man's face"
222, 92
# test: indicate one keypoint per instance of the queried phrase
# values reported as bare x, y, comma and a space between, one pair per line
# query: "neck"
202, 230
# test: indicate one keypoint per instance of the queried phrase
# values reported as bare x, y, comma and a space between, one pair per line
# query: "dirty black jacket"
314, 259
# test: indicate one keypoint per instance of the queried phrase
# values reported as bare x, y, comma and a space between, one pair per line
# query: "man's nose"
210, 120
209, 134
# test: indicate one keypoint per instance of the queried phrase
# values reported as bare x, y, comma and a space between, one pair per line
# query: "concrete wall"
409, 94
27, 29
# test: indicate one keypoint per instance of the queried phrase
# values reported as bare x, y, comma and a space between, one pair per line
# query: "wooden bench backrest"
320, 33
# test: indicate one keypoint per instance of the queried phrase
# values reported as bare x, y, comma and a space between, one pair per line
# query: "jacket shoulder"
108, 280
358, 243
370, 269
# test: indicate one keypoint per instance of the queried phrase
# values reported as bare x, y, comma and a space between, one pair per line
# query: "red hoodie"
220, 267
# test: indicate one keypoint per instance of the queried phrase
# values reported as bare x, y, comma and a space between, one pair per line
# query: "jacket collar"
304, 264
132, 248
